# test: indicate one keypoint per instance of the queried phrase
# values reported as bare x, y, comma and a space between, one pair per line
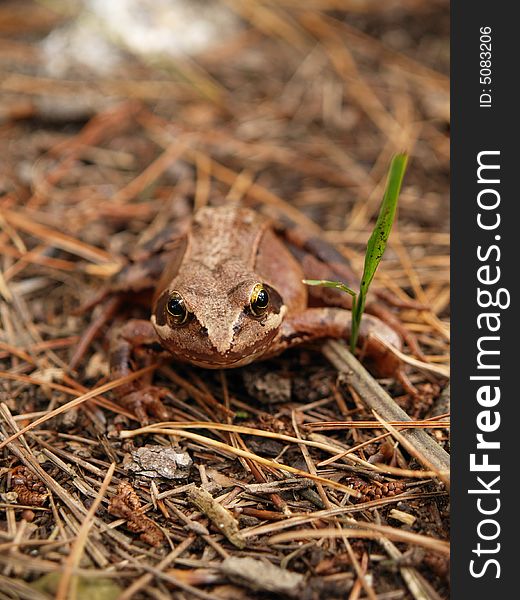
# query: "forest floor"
296, 111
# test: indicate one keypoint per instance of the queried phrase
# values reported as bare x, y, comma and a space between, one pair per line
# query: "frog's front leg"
140, 397
318, 323
320, 260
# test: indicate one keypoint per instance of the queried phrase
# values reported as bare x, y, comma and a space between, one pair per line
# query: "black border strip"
478, 127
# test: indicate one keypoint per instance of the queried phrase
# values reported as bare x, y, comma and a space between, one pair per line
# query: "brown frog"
231, 292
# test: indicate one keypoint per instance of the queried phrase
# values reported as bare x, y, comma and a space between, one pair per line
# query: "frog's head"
219, 318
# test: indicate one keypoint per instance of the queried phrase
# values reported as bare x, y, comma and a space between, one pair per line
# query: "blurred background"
308, 100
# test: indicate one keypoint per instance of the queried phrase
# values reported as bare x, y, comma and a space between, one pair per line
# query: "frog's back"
229, 231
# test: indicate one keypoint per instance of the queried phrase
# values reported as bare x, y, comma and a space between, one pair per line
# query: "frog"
231, 292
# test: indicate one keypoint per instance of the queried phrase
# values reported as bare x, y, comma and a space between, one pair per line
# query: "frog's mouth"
225, 364
228, 361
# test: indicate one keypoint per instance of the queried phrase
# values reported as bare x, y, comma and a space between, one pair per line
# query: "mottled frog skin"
230, 258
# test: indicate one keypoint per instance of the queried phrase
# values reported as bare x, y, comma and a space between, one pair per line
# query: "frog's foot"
147, 402
407, 385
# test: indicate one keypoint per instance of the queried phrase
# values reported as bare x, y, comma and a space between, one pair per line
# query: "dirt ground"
294, 109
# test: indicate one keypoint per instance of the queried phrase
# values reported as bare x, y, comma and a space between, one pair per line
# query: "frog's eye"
259, 300
177, 309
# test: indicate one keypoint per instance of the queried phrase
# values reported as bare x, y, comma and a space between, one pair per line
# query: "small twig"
218, 515
368, 531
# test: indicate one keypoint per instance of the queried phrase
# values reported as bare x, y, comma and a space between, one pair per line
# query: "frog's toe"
146, 403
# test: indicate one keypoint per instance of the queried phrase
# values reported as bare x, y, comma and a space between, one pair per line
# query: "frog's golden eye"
176, 308
259, 300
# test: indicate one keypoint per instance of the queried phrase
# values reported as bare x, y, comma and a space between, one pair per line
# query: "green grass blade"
375, 247
332, 284
377, 243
